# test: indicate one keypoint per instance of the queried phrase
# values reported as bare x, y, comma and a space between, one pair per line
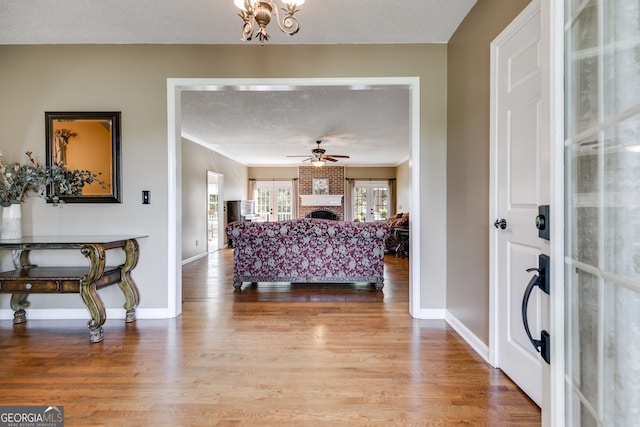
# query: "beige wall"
196, 161
382, 173
268, 173
468, 222
133, 79
403, 187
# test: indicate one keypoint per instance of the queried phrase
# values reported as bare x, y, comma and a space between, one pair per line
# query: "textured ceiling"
260, 127
216, 22
263, 127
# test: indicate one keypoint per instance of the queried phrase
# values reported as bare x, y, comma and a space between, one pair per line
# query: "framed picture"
87, 141
320, 186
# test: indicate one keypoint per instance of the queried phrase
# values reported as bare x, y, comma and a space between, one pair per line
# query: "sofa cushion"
308, 227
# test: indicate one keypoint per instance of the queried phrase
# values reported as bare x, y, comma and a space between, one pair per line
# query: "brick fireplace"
335, 175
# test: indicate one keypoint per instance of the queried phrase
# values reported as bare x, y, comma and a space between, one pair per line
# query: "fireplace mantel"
321, 200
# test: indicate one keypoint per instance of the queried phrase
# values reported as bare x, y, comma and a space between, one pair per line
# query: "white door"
520, 183
371, 201
214, 209
274, 200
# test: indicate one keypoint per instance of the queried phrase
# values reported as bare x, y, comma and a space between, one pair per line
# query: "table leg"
88, 292
18, 304
20, 258
127, 285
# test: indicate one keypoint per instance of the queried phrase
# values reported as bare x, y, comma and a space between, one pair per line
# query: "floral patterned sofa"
308, 250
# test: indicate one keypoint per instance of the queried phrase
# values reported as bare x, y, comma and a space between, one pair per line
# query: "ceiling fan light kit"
318, 157
260, 12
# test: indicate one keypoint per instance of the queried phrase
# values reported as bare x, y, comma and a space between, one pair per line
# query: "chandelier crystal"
260, 12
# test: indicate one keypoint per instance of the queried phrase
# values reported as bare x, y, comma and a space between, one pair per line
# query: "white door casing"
520, 182
175, 87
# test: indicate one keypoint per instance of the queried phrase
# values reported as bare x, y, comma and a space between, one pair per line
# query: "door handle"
500, 223
539, 280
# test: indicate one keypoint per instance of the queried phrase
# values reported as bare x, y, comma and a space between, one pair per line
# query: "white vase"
11, 226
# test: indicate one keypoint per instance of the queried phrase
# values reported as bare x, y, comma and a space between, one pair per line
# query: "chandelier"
259, 12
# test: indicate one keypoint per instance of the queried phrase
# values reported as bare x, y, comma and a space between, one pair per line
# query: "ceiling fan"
318, 156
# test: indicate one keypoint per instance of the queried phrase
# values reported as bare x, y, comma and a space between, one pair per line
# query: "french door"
602, 213
214, 225
370, 201
274, 200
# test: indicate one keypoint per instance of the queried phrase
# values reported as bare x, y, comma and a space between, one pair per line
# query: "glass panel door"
283, 202
274, 200
602, 140
371, 201
263, 201
213, 212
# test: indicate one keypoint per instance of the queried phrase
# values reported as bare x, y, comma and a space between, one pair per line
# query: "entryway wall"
468, 222
134, 79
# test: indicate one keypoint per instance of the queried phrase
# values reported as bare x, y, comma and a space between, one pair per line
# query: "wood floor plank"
268, 355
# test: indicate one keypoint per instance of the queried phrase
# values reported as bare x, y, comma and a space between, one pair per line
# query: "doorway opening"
214, 212
175, 87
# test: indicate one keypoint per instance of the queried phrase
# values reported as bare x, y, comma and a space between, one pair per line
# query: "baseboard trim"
472, 339
430, 314
195, 257
112, 313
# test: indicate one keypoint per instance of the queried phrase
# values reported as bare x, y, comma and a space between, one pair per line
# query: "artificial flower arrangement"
20, 181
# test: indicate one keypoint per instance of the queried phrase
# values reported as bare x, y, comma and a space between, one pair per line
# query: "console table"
27, 278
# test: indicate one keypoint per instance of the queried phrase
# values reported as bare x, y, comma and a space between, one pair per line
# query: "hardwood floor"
269, 355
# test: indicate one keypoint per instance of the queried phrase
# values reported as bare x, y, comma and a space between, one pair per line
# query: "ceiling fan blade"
305, 155
336, 156
331, 159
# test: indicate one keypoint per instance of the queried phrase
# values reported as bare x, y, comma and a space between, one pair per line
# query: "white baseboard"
472, 339
195, 257
77, 313
429, 314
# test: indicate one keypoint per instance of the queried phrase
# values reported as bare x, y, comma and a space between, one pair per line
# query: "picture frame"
87, 141
320, 186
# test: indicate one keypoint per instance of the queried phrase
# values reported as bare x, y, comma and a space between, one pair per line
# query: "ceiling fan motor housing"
318, 152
